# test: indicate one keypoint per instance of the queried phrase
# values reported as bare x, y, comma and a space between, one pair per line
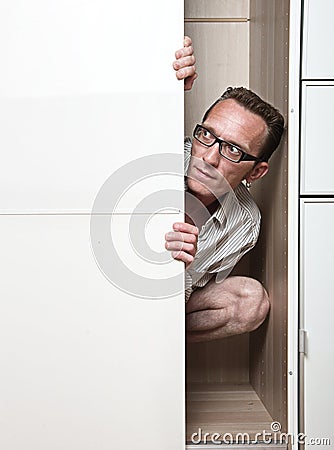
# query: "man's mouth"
203, 173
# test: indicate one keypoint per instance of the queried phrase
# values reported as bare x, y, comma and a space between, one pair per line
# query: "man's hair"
253, 103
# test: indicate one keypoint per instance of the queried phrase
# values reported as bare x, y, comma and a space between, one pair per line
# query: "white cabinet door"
318, 38
85, 87
317, 146
317, 262
86, 365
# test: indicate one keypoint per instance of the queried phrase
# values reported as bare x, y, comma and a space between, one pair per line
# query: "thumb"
188, 82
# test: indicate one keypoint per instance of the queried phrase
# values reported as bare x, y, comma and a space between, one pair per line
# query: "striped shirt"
230, 232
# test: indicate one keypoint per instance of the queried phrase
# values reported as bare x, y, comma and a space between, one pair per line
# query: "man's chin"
199, 191
207, 196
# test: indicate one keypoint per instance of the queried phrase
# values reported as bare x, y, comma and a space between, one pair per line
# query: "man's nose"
212, 156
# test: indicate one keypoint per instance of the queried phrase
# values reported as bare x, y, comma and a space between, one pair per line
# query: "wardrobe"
93, 351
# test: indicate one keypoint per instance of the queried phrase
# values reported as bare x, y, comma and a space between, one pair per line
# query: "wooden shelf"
225, 408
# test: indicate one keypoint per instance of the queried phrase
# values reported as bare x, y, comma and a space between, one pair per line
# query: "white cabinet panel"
317, 147
73, 47
83, 364
58, 152
84, 90
317, 303
318, 37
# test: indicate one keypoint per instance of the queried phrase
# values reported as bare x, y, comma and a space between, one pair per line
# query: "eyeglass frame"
244, 156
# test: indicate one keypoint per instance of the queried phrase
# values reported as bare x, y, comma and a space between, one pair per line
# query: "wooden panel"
222, 61
216, 8
225, 408
225, 360
268, 77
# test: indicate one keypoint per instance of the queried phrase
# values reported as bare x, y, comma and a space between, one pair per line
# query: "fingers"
184, 65
185, 61
179, 245
183, 74
186, 50
185, 228
188, 82
183, 52
181, 237
182, 242
187, 41
184, 257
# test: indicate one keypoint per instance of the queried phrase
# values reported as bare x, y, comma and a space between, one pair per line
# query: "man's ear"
257, 172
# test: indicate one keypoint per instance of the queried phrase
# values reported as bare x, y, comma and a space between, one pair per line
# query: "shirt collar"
224, 204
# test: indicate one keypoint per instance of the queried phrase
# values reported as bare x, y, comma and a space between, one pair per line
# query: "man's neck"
212, 207
198, 210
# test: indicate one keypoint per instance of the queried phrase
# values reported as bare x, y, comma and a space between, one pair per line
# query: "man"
230, 146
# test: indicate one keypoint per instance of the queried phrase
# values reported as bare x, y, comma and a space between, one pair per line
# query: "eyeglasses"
226, 149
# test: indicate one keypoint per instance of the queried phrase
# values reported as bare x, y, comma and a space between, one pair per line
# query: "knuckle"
193, 239
180, 255
187, 40
180, 74
191, 249
192, 70
190, 259
186, 72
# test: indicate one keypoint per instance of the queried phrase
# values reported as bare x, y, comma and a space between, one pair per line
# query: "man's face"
231, 122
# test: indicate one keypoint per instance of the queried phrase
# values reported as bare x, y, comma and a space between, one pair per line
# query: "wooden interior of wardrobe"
239, 384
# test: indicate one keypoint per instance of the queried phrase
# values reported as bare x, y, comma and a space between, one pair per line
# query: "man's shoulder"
187, 144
